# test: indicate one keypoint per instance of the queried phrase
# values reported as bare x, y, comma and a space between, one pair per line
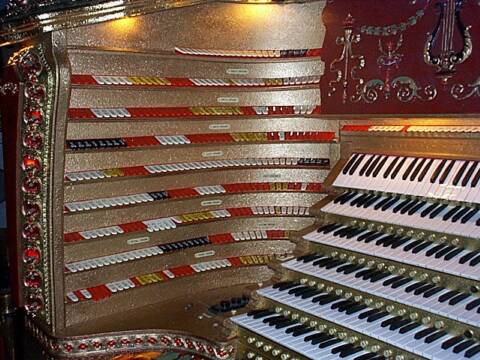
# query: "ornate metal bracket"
443, 34
350, 63
462, 92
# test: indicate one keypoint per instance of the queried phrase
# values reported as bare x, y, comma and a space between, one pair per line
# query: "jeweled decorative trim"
8, 88
37, 77
111, 344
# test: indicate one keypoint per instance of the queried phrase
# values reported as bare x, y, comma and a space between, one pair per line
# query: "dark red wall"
388, 12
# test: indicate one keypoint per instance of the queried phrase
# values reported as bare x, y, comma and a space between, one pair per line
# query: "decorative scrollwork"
462, 92
347, 58
406, 90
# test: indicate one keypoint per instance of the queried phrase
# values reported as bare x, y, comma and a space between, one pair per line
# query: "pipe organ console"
175, 188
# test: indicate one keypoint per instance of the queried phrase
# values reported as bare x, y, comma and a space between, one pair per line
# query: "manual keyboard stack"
391, 270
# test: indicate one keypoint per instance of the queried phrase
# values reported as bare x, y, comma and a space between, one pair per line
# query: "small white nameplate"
204, 254
138, 240
211, 202
228, 100
219, 126
212, 153
237, 71
271, 176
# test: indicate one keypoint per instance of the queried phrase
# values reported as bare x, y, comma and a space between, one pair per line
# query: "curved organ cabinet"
161, 174
176, 190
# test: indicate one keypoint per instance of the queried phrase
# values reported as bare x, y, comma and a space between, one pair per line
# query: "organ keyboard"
390, 270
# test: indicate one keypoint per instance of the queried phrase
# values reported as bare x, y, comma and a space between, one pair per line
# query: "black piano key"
444, 251
321, 340
350, 163
320, 335
340, 197
447, 171
356, 308
294, 328
417, 207
355, 268
368, 313
409, 169
368, 356
371, 201
303, 291
425, 332
321, 262
334, 264
469, 256
469, 215
469, 173
356, 164
373, 165
329, 343
448, 295
421, 246
473, 304
392, 280
257, 314
390, 167
350, 351
298, 289
435, 336
359, 199
472, 352
437, 211
379, 277
429, 209
285, 324
382, 202
380, 165
475, 261
407, 207
310, 293
345, 267
391, 203
433, 291
475, 179
383, 239
434, 249
373, 237
339, 349
460, 214
303, 331
325, 299
400, 242
424, 171
398, 207
377, 316
398, 324
409, 327
463, 346
341, 230
414, 286
364, 272
417, 169
451, 342
367, 234
274, 320
332, 228
309, 257
366, 165
398, 168
390, 321
412, 245
458, 298
400, 283
451, 212
452, 254
461, 171
438, 170
339, 304
422, 289
348, 198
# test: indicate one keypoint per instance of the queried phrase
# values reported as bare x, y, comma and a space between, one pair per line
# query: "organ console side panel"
170, 156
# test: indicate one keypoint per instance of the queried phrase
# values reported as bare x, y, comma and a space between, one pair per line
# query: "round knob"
303, 281
361, 261
295, 316
409, 233
329, 288
332, 331
420, 235
456, 242
313, 324
375, 348
436, 279
399, 357
352, 339
401, 312
339, 291
369, 301
414, 316
432, 237
380, 227
358, 298
259, 358
303, 320
364, 343
426, 320
287, 313
388, 353
390, 229
439, 324
285, 356
320, 286
380, 266
390, 308
342, 335
276, 352
312, 283
259, 344
391, 268
400, 231
278, 309
370, 263
348, 295
250, 355
250, 340
412, 273
351, 258
267, 348
379, 304
401, 271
